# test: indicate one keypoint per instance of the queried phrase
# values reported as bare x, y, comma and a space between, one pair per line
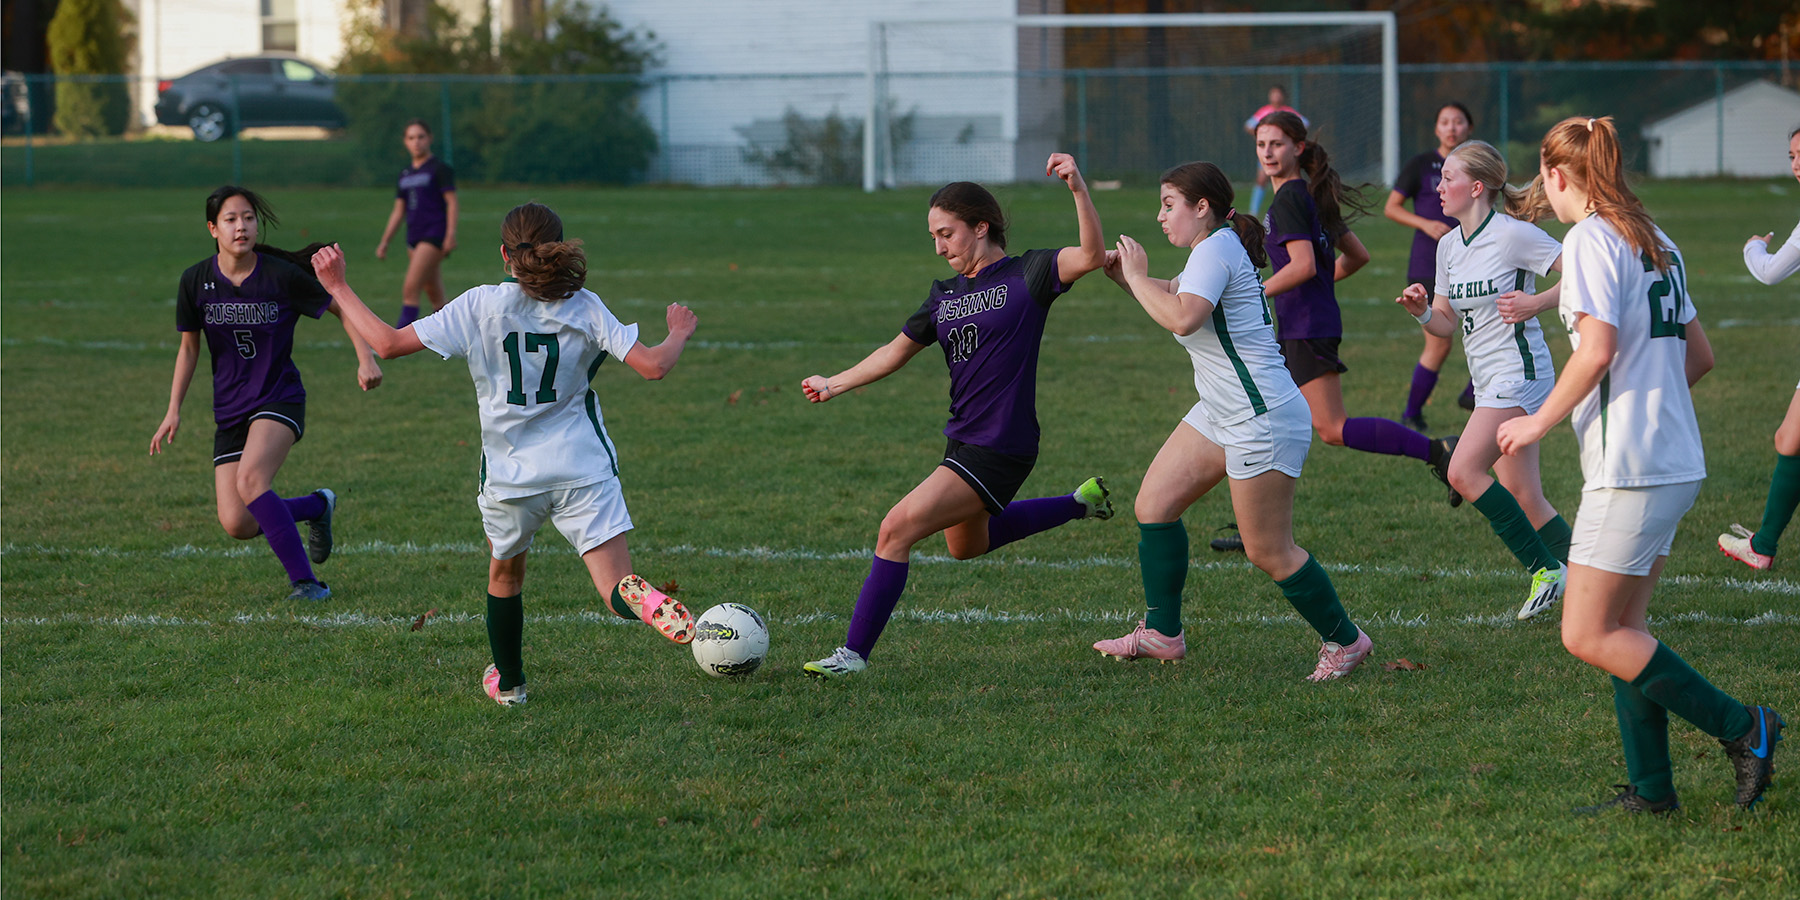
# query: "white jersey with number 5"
1237, 364
1504, 254
1637, 428
532, 361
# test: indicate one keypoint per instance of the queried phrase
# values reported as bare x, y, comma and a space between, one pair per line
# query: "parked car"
270, 90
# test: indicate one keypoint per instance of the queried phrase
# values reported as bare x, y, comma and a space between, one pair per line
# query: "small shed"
1742, 132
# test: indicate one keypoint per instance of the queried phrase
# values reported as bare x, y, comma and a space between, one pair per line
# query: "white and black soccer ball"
730, 641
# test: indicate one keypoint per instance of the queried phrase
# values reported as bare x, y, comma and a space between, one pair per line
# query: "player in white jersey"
1489, 256
1638, 347
1756, 549
533, 345
1251, 424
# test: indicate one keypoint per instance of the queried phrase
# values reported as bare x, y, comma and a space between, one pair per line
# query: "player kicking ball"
533, 344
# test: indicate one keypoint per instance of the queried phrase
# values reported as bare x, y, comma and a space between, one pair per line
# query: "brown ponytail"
1329, 192
1204, 181
547, 267
1587, 151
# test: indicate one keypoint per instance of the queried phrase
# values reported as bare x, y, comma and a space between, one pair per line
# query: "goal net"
988, 99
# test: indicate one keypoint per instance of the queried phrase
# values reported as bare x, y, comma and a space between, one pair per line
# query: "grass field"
174, 727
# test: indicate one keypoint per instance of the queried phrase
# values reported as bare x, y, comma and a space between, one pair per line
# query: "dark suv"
270, 90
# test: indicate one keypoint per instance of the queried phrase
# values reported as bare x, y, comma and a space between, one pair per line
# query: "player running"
1756, 549
1491, 255
246, 299
989, 320
1418, 182
1251, 423
1305, 221
426, 196
1638, 348
533, 345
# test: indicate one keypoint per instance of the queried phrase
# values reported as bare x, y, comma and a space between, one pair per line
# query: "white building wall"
1758, 117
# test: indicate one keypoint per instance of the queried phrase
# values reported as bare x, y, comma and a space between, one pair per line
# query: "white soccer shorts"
1276, 440
588, 516
1624, 530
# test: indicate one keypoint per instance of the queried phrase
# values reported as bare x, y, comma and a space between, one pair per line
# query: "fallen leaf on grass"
662, 821
1404, 665
1482, 769
670, 587
733, 399
756, 822
419, 622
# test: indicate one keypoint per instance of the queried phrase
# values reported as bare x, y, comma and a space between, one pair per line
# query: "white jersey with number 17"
1637, 428
532, 362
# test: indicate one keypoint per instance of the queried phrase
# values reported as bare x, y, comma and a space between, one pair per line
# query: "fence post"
668, 165
30, 127
449, 144
237, 141
1081, 122
1505, 110
1719, 105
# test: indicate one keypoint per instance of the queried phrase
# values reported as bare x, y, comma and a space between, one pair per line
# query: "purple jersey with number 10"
990, 327
249, 330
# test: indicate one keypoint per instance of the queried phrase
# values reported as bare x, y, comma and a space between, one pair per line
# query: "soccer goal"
988, 99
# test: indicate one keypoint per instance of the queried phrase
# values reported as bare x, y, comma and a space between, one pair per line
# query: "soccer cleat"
1145, 642
1093, 495
310, 589
1629, 801
1466, 399
657, 609
1416, 423
512, 696
1441, 450
1546, 588
1753, 755
1230, 542
1337, 660
842, 662
1737, 546
318, 531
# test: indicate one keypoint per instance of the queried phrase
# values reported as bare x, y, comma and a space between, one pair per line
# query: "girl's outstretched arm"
328, 264
1074, 262
885, 361
655, 362
187, 357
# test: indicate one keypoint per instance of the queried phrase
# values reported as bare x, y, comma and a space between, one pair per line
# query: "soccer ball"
730, 641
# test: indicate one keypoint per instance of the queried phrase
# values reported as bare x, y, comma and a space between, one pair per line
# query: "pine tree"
88, 37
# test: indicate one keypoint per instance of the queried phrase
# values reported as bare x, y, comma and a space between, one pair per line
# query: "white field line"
1776, 586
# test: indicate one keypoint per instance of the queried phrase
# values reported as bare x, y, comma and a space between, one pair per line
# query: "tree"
88, 37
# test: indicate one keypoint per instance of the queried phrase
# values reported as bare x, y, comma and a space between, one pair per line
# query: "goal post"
928, 78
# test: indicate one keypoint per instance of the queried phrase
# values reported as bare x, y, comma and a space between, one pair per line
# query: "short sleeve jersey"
423, 188
1309, 310
989, 327
532, 363
1504, 254
249, 330
1238, 369
1418, 182
1637, 428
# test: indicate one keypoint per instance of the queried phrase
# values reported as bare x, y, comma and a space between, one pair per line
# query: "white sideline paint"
1776, 586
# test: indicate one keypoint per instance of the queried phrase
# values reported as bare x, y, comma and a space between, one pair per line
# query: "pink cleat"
1145, 642
1737, 546
1337, 660
657, 609
490, 682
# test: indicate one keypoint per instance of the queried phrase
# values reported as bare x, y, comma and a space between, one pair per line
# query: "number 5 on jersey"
534, 343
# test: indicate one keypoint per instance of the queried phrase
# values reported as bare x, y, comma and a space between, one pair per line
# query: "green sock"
1509, 522
506, 637
1784, 495
1669, 682
619, 607
1313, 597
1163, 555
1644, 730
1557, 535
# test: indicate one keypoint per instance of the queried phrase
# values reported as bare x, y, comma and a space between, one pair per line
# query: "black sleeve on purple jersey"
1288, 217
1407, 185
921, 326
446, 178
187, 309
1041, 277
304, 292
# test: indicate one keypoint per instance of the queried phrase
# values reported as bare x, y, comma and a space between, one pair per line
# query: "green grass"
177, 162
173, 727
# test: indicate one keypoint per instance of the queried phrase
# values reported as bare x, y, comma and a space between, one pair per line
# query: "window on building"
280, 25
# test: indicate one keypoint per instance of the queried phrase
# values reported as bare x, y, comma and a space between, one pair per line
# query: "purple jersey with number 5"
249, 330
990, 327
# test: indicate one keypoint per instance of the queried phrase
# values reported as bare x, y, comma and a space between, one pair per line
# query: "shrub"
88, 37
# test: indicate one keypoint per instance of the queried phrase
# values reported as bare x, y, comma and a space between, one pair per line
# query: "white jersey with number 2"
1504, 254
1637, 428
541, 427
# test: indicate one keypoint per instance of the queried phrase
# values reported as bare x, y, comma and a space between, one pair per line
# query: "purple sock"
307, 508
1372, 435
1468, 392
1423, 381
880, 594
407, 315
277, 523
1024, 518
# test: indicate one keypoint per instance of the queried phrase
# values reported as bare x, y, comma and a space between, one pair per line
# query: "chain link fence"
1677, 120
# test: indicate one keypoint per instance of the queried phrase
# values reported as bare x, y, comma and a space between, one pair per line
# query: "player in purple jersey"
426, 197
1305, 222
1418, 182
246, 303
989, 320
